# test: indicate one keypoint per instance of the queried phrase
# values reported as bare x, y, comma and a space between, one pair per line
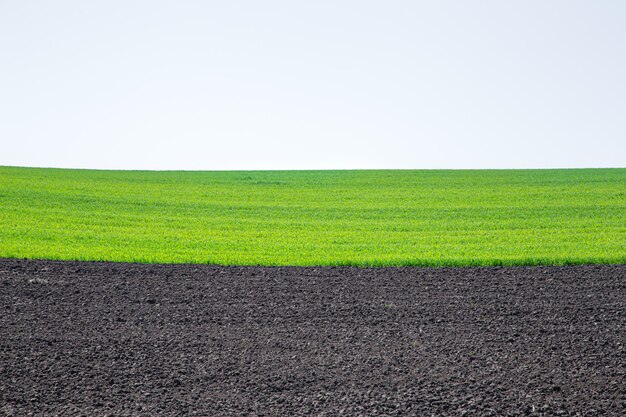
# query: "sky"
224, 85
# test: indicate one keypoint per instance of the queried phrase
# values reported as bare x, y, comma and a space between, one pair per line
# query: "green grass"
367, 218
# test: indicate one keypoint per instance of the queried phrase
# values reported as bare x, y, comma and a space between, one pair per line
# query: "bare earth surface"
83, 338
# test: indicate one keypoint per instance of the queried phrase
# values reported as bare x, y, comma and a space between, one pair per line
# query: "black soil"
124, 339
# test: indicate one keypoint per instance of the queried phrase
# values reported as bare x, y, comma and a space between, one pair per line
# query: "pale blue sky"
313, 84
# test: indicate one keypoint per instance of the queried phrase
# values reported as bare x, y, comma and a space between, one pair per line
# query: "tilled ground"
123, 339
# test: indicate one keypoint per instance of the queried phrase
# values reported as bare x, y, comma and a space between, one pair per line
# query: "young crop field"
363, 218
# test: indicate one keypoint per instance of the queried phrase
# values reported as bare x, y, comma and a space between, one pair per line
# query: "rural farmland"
300, 218
312, 292
329, 209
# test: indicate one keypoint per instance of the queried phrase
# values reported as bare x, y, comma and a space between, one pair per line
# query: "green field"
367, 218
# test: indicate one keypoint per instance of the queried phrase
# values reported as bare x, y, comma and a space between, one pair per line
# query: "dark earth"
98, 339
